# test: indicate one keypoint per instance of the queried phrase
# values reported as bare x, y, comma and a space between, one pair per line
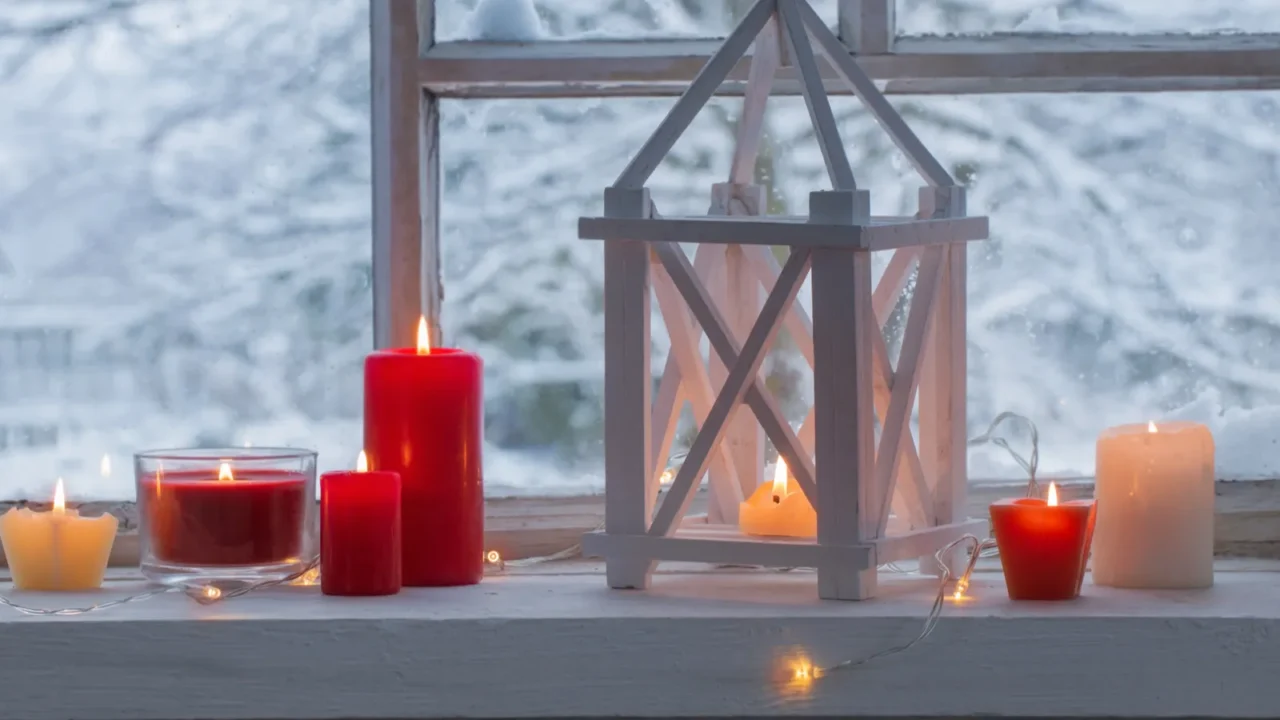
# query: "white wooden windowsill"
556, 643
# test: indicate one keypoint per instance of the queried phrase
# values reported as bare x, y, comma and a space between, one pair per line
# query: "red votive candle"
360, 533
423, 419
1044, 545
254, 518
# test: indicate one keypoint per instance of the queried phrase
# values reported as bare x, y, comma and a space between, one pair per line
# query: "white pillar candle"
1155, 506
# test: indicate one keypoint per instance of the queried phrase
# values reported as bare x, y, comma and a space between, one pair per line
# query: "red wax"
194, 519
423, 419
360, 533
1044, 549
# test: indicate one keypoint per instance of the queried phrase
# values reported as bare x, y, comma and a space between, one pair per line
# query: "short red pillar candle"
1044, 545
360, 532
424, 419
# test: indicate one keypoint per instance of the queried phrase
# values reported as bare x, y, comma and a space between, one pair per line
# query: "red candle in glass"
1044, 545
360, 532
254, 518
423, 419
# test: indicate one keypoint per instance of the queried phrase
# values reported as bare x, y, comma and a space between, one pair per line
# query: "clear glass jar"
226, 516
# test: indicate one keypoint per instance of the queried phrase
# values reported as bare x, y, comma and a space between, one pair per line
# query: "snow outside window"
923, 17
184, 190
501, 20
184, 193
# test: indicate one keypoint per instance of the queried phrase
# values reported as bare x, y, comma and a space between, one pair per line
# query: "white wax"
1155, 507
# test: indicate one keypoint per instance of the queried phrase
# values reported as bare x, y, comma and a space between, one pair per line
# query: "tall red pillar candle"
360, 533
1044, 545
423, 419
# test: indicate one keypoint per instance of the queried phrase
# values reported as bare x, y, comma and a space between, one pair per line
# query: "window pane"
184, 232
1130, 274
923, 17
523, 291
504, 20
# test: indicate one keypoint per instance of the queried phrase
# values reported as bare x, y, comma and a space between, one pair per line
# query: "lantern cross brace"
743, 382
898, 462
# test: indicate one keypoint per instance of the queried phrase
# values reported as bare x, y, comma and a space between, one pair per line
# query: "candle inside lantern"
1155, 506
1044, 545
224, 517
59, 549
360, 532
777, 510
424, 420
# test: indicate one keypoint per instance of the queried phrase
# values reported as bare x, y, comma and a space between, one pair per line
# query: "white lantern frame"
852, 479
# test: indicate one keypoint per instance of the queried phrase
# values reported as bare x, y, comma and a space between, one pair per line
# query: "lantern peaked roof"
793, 27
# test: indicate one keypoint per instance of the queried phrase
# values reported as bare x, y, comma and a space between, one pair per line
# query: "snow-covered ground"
206, 165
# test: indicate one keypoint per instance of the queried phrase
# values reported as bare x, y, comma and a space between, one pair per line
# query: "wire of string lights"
203, 594
976, 547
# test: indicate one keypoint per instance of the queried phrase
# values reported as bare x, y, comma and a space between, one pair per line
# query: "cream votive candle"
1155, 505
59, 549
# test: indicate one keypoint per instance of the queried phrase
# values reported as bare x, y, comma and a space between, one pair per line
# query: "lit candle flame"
362, 462
1053, 494
105, 466
224, 473
1151, 427
424, 337
59, 499
780, 480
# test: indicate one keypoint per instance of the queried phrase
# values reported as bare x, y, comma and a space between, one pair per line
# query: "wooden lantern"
853, 478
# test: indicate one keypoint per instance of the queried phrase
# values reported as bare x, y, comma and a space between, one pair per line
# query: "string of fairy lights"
973, 547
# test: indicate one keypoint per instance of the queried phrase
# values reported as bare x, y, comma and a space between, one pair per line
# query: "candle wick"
777, 499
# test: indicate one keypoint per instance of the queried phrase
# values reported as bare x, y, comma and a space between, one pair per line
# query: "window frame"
411, 73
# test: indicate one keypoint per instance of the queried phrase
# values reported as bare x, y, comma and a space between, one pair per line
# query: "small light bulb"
310, 577
492, 557
212, 593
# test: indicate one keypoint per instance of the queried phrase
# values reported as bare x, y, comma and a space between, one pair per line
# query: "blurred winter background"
184, 232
